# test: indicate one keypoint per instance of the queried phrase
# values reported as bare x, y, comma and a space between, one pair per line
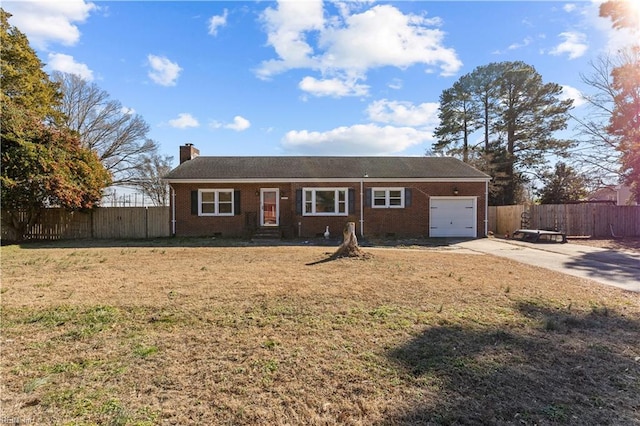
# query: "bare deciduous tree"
118, 137
598, 153
150, 174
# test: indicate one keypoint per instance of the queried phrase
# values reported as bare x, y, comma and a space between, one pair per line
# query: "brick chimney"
188, 152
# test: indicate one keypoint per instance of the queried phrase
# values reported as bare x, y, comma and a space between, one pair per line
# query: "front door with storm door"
270, 207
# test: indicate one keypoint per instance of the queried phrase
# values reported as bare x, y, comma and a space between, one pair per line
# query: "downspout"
486, 208
362, 208
173, 211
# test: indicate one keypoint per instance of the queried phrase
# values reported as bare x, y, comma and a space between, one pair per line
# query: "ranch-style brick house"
302, 196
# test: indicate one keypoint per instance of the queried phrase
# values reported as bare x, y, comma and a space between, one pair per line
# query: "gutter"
322, 180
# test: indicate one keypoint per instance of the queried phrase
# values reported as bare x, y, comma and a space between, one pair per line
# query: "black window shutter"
352, 201
407, 197
367, 198
299, 202
194, 202
236, 202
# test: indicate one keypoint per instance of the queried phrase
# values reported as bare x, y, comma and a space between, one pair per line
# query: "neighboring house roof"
620, 195
604, 194
318, 168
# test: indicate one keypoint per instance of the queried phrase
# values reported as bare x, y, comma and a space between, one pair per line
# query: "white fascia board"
318, 180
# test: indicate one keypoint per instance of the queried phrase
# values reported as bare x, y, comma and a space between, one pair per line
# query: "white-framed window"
384, 198
215, 202
325, 202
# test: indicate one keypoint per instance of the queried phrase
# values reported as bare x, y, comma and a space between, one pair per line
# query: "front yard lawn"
164, 334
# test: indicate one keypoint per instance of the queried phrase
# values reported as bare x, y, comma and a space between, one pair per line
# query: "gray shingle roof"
256, 168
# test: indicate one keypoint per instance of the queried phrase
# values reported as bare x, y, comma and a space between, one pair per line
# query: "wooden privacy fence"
595, 220
106, 222
505, 219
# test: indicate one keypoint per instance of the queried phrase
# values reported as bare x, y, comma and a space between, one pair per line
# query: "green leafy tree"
24, 84
519, 114
43, 164
562, 185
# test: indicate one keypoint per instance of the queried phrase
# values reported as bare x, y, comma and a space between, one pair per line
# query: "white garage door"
452, 217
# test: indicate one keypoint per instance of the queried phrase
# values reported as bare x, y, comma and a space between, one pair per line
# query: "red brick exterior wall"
404, 222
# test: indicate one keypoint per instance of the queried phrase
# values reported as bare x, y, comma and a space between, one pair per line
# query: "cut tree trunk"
349, 246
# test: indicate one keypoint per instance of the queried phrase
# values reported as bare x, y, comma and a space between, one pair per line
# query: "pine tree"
562, 185
519, 115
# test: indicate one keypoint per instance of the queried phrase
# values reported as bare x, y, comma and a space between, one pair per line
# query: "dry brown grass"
628, 243
168, 334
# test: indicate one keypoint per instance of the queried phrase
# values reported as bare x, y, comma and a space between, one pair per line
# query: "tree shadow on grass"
167, 242
611, 264
227, 242
578, 369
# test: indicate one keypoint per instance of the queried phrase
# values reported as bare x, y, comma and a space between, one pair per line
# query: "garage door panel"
453, 217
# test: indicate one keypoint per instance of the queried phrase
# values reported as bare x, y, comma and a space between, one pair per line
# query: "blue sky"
305, 77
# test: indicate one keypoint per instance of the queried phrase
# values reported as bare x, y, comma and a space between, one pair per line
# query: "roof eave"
320, 180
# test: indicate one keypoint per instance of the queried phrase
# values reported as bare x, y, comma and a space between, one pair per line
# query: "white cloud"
574, 45
362, 139
184, 120
569, 92
383, 36
569, 7
395, 84
527, 41
286, 28
163, 71
332, 87
127, 110
66, 63
351, 44
404, 113
239, 124
46, 21
216, 22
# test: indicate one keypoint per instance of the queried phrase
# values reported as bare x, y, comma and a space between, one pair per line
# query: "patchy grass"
146, 335
629, 243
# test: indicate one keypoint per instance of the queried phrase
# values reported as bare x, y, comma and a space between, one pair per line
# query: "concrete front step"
267, 233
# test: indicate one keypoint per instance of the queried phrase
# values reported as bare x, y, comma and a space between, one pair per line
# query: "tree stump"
349, 246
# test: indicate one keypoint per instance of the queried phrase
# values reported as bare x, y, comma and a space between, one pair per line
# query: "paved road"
616, 268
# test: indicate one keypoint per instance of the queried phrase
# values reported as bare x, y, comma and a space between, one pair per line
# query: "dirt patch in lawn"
628, 244
270, 335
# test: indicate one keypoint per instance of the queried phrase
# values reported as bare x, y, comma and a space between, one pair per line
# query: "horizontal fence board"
102, 223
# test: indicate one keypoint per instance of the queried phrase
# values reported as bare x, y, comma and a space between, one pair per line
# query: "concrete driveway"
615, 268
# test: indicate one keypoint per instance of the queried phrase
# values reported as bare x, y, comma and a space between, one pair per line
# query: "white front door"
269, 207
452, 217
